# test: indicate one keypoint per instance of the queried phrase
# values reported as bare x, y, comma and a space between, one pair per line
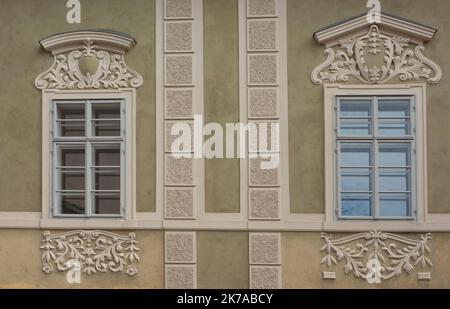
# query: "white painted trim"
417, 32
159, 130
147, 221
106, 40
285, 210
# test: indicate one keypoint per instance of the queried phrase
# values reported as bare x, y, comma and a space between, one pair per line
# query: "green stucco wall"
222, 260
306, 100
23, 23
221, 98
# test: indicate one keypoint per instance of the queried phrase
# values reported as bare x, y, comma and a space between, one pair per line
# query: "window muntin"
88, 140
375, 157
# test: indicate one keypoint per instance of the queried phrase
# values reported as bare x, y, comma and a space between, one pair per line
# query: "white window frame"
128, 167
419, 181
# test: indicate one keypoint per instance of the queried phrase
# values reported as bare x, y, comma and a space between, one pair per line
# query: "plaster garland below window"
104, 48
376, 58
396, 254
96, 251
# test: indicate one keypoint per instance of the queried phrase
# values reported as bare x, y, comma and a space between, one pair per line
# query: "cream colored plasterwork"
376, 58
396, 254
265, 260
179, 31
105, 49
96, 251
181, 260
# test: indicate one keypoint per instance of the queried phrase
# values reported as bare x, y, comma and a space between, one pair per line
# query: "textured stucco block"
263, 102
178, 70
179, 103
265, 277
262, 8
264, 203
178, 36
181, 277
262, 69
178, 8
262, 177
169, 138
265, 248
268, 137
180, 247
262, 34
179, 202
179, 171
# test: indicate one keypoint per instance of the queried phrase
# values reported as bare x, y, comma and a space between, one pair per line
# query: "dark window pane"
72, 157
107, 204
107, 157
106, 128
72, 180
71, 120
72, 204
107, 179
106, 110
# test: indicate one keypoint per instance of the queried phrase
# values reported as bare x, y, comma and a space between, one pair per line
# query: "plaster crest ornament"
96, 251
390, 49
103, 48
394, 254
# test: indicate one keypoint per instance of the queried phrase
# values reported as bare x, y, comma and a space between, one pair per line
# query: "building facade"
94, 194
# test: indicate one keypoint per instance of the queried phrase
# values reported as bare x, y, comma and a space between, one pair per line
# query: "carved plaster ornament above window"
103, 51
375, 53
394, 254
96, 251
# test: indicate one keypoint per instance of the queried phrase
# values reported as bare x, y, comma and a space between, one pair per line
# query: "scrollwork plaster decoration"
376, 58
97, 251
396, 254
106, 49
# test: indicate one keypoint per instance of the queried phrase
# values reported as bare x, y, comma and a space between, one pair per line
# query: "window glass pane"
70, 120
356, 108
107, 156
72, 179
107, 204
355, 117
72, 204
106, 119
72, 157
394, 117
355, 127
391, 154
354, 180
356, 205
394, 127
391, 108
394, 180
353, 154
395, 205
107, 178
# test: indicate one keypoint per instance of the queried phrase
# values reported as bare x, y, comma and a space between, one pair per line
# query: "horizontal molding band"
296, 222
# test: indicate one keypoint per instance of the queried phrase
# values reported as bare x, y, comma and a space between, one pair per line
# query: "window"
375, 157
88, 148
